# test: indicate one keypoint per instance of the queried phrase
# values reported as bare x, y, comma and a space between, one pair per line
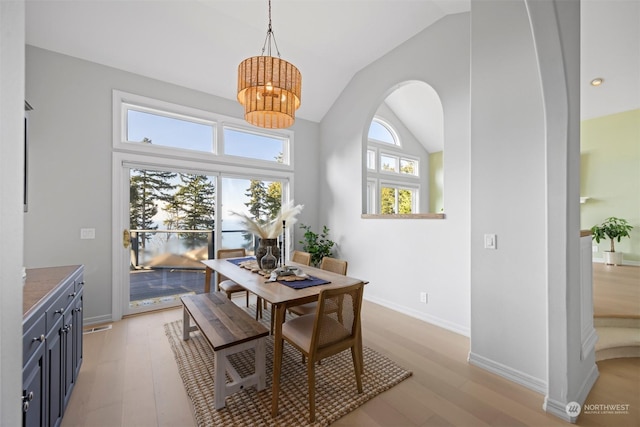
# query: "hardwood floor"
129, 378
616, 291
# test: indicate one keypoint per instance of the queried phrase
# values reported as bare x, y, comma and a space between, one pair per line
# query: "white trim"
121, 100
450, 326
557, 408
518, 377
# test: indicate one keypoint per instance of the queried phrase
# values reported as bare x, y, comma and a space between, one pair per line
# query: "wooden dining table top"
276, 292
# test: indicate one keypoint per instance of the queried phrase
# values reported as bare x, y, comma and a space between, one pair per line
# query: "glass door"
171, 229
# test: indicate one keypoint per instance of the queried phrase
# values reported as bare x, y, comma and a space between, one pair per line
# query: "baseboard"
558, 409
88, 321
444, 324
513, 375
624, 261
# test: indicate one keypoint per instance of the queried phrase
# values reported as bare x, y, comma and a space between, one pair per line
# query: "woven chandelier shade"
270, 90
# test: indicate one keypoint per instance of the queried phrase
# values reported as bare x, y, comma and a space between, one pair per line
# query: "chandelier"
269, 88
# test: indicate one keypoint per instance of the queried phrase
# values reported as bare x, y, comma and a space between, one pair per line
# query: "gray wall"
11, 169
70, 156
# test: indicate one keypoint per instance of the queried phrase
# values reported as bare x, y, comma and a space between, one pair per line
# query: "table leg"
207, 280
186, 324
277, 356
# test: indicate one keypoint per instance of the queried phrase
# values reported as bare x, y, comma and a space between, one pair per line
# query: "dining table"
280, 295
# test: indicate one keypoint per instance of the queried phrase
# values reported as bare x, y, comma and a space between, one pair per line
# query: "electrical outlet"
594, 248
423, 297
87, 233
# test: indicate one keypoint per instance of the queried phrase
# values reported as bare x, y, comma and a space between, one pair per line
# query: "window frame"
397, 186
123, 102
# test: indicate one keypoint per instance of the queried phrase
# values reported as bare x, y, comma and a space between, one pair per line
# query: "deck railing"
181, 249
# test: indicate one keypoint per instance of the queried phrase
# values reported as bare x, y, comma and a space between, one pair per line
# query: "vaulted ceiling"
199, 43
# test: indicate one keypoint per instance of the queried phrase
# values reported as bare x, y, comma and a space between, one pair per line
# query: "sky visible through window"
169, 131
185, 134
379, 132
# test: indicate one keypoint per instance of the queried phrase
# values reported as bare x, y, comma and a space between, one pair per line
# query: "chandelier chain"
270, 37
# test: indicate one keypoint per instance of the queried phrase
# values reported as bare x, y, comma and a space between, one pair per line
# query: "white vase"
613, 258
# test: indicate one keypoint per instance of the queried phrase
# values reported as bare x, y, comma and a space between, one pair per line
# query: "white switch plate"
87, 233
423, 297
490, 241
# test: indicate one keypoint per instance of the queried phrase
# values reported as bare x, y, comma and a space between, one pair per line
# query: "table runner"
294, 284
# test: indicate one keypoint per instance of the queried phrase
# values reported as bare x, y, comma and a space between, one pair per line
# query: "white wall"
12, 25
508, 195
401, 258
70, 157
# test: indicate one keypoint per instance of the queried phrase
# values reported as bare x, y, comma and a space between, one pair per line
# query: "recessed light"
597, 81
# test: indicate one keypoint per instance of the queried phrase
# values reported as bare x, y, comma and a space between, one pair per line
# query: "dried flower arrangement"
273, 228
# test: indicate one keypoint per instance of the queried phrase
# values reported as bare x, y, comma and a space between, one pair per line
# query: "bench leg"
260, 355
222, 389
219, 379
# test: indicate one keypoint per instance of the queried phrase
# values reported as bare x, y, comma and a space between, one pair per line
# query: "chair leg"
247, 292
357, 366
311, 379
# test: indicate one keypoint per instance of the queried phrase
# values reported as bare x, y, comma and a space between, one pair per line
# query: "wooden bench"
229, 330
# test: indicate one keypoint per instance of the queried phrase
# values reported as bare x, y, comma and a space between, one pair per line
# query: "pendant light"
269, 88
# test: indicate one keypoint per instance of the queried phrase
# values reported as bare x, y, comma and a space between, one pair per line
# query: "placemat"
306, 283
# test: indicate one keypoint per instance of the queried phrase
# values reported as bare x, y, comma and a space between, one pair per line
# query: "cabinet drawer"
33, 338
61, 304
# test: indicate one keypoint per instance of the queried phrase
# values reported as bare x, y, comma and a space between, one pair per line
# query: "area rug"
336, 392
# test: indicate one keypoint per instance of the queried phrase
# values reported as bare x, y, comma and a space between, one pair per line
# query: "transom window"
168, 130
381, 132
156, 127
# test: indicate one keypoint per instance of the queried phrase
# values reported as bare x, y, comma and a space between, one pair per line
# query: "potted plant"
318, 245
614, 229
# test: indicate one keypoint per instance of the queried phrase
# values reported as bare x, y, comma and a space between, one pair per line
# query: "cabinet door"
78, 326
55, 367
68, 362
33, 392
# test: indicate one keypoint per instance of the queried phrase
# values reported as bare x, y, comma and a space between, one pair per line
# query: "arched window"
380, 131
403, 146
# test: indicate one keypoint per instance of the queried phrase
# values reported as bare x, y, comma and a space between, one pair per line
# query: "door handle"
126, 238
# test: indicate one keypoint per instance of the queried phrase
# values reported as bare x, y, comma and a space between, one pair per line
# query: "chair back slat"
300, 257
337, 316
229, 253
334, 265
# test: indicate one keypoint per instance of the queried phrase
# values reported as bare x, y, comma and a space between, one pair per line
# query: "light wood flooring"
616, 291
129, 378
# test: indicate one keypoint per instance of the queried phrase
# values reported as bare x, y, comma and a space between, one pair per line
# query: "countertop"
41, 282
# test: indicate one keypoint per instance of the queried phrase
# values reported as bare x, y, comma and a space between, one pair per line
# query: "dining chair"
223, 283
300, 257
321, 334
334, 265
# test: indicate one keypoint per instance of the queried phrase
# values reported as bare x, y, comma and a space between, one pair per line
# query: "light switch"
490, 241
